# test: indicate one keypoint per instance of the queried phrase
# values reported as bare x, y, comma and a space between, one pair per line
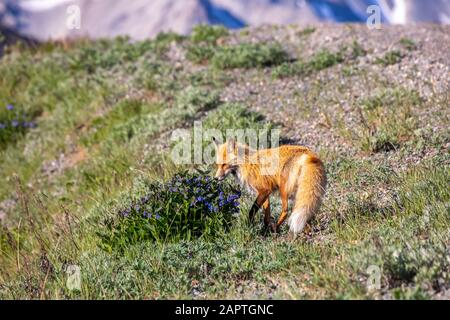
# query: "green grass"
357, 50
120, 124
235, 116
205, 49
104, 114
204, 42
408, 44
306, 32
243, 55
200, 53
248, 56
106, 54
387, 119
192, 98
322, 60
390, 58
245, 257
208, 34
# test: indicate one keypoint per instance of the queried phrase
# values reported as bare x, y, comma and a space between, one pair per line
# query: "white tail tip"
297, 221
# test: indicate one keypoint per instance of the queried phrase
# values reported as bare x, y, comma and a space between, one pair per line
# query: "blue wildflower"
125, 213
9, 107
157, 216
232, 197
210, 206
14, 123
2, 126
147, 214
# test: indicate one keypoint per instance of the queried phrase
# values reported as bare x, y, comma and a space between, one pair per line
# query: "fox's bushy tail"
310, 190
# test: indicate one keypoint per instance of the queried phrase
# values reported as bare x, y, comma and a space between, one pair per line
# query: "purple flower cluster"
186, 207
140, 207
185, 192
230, 200
206, 193
15, 121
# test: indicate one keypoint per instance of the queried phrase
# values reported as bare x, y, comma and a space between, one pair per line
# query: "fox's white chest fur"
244, 182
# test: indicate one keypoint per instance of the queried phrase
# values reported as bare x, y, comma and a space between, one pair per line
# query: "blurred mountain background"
140, 19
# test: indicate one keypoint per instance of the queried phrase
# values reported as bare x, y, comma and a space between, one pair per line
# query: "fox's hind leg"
284, 207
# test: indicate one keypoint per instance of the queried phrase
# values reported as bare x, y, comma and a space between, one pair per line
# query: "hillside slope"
86, 126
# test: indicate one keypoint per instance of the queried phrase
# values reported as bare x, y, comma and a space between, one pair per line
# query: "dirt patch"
64, 161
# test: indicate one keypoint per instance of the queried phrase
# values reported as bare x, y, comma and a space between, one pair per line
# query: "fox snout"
225, 161
223, 171
219, 176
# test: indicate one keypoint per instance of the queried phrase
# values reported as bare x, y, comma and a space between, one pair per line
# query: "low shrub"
408, 44
200, 53
307, 31
243, 55
197, 99
322, 60
247, 55
357, 50
106, 54
208, 34
13, 124
186, 207
325, 59
289, 69
204, 42
390, 58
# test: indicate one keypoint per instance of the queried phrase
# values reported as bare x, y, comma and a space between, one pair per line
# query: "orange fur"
292, 170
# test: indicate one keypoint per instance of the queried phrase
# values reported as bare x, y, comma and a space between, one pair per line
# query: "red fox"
292, 170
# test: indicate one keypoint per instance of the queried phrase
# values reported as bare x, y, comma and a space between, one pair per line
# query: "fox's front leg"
267, 218
260, 199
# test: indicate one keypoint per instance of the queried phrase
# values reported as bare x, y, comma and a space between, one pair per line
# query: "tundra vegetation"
88, 181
